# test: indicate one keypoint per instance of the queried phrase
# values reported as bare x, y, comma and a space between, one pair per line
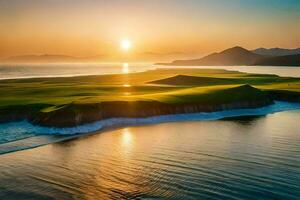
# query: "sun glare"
125, 45
127, 140
125, 68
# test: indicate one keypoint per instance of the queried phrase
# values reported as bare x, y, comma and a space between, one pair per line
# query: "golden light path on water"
125, 68
127, 141
247, 158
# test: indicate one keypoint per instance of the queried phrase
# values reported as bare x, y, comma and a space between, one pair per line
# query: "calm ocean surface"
65, 70
242, 158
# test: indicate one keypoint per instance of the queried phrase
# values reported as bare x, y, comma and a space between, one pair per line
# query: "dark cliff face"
20, 112
281, 95
244, 96
73, 115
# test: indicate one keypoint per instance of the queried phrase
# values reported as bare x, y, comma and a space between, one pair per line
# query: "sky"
154, 27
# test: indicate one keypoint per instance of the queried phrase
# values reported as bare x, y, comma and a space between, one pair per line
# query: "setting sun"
125, 45
161, 99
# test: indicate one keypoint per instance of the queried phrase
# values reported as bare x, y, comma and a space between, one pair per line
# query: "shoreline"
244, 69
47, 135
77, 114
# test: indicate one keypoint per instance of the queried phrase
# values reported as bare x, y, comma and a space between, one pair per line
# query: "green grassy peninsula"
66, 102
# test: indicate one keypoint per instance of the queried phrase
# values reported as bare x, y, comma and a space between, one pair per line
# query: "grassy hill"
27, 98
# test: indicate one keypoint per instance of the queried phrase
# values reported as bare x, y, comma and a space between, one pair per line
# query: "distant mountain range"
39, 58
290, 60
232, 56
276, 51
240, 56
49, 58
52, 58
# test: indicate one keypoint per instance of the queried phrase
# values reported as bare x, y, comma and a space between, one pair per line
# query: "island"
74, 101
241, 56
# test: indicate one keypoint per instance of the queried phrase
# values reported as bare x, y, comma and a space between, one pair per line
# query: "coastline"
48, 135
42, 111
70, 102
76, 114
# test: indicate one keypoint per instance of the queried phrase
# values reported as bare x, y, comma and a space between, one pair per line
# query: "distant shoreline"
12, 73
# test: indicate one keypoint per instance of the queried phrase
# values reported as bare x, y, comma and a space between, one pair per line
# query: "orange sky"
87, 28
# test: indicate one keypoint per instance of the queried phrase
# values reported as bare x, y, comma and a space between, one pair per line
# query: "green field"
51, 100
196, 83
163, 85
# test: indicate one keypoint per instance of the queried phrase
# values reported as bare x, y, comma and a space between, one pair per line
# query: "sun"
125, 44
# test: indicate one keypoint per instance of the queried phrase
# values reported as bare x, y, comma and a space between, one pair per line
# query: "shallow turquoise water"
241, 158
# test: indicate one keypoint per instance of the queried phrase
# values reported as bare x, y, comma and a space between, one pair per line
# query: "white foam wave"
26, 127
18, 136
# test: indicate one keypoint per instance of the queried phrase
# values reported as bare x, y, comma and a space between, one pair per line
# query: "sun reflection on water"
127, 93
125, 68
127, 140
164, 161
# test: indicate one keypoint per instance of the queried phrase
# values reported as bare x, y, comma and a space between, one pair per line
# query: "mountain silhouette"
290, 60
50, 58
233, 56
40, 58
276, 51
238, 56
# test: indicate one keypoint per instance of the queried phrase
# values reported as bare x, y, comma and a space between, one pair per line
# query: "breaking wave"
23, 135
